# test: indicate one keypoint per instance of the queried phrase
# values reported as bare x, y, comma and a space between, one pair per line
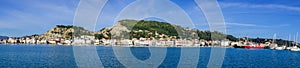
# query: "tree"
232, 38
99, 36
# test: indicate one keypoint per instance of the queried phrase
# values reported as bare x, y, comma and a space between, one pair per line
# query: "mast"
296, 39
286, 42
273, 42
289, 40
274, 39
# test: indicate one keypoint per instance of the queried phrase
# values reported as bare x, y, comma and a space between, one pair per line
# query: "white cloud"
257, 25
240, 24
268, 6
229, 24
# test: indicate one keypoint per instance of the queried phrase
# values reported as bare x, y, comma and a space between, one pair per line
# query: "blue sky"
256, 18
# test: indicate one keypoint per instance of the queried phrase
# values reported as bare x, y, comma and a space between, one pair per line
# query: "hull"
280, 48
256, 47
289, 48
295, 49
238, 46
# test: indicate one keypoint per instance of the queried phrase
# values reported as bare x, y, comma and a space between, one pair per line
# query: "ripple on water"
62, 56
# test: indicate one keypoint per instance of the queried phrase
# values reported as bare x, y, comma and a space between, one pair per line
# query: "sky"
244, 18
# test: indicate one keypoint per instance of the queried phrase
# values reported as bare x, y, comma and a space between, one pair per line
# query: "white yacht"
289, 48
288, 43
295, 48
280, 48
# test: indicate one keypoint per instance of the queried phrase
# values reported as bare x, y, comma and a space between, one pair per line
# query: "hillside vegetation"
152, 26
147, 29
129, 29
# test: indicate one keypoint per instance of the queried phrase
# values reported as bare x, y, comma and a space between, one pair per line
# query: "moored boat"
280, 48
237, 46
250, 46
295, 48
289, 48
255, 46
272, 47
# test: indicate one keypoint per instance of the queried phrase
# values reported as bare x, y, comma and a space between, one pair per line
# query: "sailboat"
280, 48
295, 48
273, 45
283, 47
288, 42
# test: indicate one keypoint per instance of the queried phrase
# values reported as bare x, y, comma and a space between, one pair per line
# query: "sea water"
35, 56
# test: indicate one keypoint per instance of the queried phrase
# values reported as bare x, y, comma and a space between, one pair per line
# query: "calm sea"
36, 56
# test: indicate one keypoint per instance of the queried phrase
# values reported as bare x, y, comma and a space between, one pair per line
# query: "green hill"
147, 28
152, 26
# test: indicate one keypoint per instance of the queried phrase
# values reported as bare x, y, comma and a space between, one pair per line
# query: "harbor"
149, 34
148, 42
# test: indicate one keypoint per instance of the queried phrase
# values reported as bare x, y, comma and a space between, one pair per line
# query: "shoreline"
118, 46
139, 46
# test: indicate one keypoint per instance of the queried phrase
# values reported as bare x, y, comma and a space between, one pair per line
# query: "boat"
288, 48
295, 48
272, 48
288, 43
283, 47
250, 46
273, 44
237, 46
280, 48
255, 46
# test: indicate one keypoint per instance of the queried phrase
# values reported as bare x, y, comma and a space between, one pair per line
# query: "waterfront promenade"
119, 42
